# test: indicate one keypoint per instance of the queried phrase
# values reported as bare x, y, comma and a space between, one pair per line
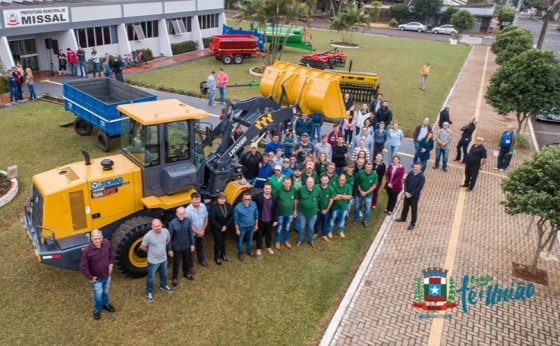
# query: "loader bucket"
313, 90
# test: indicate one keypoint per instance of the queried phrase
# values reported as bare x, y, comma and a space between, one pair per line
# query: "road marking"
51, 82
437, 324
548, 133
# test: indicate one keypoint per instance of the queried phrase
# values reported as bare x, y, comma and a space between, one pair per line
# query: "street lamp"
549, 12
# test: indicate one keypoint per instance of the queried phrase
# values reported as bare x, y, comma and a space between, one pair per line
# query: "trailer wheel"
103, 141
226, 59
238, 59
129, 259
82, 127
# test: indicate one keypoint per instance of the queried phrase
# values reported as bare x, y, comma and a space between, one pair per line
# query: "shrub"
206, 42
184, 47
147, 54
523, 141
393, 23
3, 81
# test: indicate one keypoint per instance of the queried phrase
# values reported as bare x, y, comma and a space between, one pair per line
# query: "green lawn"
396, 60
284, 299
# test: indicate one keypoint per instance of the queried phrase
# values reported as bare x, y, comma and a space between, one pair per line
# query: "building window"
208, 21
142, 30
177, 26
98, 36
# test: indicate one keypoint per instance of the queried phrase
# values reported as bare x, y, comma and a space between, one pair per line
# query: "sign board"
17, 18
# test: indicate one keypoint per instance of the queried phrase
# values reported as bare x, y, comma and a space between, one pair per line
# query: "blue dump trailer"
94, 102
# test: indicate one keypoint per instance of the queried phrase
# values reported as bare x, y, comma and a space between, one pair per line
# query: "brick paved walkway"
484, 241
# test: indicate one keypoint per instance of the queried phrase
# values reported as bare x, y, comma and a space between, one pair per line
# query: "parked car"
446, 29
558, 27
553, 116
413, 26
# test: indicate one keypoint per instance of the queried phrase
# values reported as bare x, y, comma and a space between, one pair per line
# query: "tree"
506, 15
532, 189
511, 42
540, 5
375, 10
446, 15
274, 14
399, 11
525, 85
349, 20
462, 20
427, 9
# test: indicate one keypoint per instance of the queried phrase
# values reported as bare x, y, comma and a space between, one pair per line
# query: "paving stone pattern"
489, 241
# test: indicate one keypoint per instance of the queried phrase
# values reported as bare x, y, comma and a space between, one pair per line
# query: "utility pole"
549, 12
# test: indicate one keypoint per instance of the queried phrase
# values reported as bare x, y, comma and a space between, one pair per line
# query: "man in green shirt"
306, 205
367, 182
342, 197
285, 202
324, 212
309, 172
276, 179
331, 174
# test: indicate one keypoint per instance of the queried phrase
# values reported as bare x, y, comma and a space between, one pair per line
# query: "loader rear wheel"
82, 127
103, 141
129, 259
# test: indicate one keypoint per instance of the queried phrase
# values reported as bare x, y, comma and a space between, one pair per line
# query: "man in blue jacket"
182, 244
246, 221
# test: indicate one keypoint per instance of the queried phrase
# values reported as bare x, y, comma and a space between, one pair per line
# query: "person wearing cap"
286, 170
276, 179
444, 117
251, 160
303, 148
424, 72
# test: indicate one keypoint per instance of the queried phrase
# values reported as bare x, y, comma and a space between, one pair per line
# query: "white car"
446, 29
413, 26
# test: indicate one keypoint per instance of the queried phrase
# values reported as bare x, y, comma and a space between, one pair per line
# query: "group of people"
219, 82
77, 62
20, 82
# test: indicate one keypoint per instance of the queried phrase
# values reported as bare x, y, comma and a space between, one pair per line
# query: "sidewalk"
467, 233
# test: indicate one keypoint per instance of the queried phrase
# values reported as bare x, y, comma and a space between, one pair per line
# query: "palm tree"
274, 14
349, 20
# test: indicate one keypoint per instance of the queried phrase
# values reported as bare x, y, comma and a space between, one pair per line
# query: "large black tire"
82, 127
129, 259
103, 141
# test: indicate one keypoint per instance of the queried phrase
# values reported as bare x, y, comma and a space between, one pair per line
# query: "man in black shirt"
251, 160
475, 159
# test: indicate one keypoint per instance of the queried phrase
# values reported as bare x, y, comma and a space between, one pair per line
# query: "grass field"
283, 299
396, 60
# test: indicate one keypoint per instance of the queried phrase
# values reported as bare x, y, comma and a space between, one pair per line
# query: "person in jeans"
182, 244
12, 85
96, 266
306, 205
322, 222
222, 80
342, 196
443, 140
367, 182
425, 147
29, 81
285, 200
95, 62
317, 121
157, 243
82, 67
380, 136
198, 214
419, 134
466, 136
211, 82
395, 135
246, 221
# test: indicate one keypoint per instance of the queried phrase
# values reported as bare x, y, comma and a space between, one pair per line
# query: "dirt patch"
522, 271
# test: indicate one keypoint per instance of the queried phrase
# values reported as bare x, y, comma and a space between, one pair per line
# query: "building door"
25, 51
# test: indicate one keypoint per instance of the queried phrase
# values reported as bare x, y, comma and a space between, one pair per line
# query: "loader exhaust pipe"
86, 157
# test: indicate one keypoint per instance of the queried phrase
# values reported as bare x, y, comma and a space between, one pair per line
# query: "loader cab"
165, 139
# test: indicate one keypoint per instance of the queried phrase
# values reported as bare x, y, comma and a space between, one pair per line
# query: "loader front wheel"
129, 259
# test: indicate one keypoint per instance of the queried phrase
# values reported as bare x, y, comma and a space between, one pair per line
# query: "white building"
32, 31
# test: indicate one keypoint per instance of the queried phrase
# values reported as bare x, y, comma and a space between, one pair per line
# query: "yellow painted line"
436, 330
51, 82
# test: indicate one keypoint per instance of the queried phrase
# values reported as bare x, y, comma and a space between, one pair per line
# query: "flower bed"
8, 189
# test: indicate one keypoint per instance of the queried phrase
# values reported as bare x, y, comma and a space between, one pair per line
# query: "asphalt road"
545, 132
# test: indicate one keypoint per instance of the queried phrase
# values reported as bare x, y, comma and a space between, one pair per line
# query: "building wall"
83, 15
